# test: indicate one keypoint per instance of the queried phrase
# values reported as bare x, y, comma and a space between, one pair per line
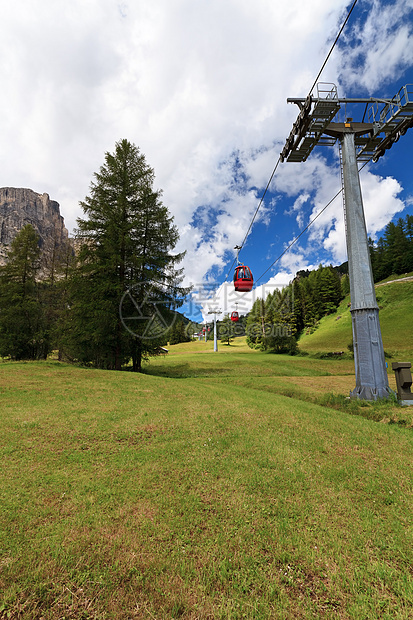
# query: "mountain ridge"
21, 206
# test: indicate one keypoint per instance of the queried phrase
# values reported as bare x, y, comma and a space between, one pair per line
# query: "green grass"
395, 301
395, 276
214, 486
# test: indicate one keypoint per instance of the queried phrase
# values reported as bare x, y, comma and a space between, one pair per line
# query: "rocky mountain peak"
20, 206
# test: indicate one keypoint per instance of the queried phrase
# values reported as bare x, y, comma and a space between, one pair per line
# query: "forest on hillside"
275, 324
393, 252
116, 300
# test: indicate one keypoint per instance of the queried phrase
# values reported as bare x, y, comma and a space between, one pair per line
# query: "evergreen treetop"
126, 281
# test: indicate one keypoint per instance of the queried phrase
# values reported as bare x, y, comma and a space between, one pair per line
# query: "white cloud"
379, 49
380, 204
188, 82
296, 260
297, 208
226, 299
201, 88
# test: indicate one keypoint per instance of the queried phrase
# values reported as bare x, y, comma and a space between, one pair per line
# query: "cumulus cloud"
378, 49
201, 88
380, 202
225, 299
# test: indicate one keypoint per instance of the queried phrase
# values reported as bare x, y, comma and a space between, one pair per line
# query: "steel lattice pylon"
359, 141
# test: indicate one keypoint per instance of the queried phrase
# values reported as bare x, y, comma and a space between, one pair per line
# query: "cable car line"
261, 201
279, 159
253, 219
332, 47
306, 228
298, 236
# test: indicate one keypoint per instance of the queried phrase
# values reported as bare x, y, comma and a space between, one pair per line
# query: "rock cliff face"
19, 207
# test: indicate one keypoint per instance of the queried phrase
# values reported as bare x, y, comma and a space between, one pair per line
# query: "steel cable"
276, 165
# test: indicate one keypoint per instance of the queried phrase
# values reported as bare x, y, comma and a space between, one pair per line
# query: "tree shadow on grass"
184, 371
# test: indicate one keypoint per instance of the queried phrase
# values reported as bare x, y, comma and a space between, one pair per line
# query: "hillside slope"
395, 300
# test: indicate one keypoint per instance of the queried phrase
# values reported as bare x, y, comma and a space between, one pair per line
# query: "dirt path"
398, 280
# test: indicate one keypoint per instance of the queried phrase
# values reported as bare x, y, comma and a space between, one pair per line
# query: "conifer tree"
126, 281
297, 319
308, 305
23, 329
409, 236
329, 290
393, 253
255, 327
345, 285
55, 293
226, 330
178, 332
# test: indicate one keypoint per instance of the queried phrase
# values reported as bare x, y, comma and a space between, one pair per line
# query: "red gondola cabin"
234, 317
243, 280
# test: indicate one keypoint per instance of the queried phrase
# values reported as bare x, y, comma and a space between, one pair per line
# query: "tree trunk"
137, 359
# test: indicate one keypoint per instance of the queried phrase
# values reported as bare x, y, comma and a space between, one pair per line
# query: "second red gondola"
243, 280
234, 316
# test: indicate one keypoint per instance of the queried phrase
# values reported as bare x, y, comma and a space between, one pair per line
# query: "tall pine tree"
126, 281
24, 332
226, 330
393, 253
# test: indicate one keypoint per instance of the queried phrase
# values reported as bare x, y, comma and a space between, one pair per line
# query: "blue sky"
363, 72
201, 87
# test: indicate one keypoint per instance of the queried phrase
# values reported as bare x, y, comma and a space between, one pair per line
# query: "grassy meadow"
395, 301
221, 485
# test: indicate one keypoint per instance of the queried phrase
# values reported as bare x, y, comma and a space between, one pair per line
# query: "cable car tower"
388, 119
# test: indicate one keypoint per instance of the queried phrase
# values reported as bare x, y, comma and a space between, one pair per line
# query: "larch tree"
24, 332
126, 283
226, 330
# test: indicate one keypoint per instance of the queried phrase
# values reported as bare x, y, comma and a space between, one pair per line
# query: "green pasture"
395, 301
223, 485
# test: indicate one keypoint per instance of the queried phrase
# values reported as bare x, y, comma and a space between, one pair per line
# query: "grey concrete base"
369, 393
371, 374
406, 403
